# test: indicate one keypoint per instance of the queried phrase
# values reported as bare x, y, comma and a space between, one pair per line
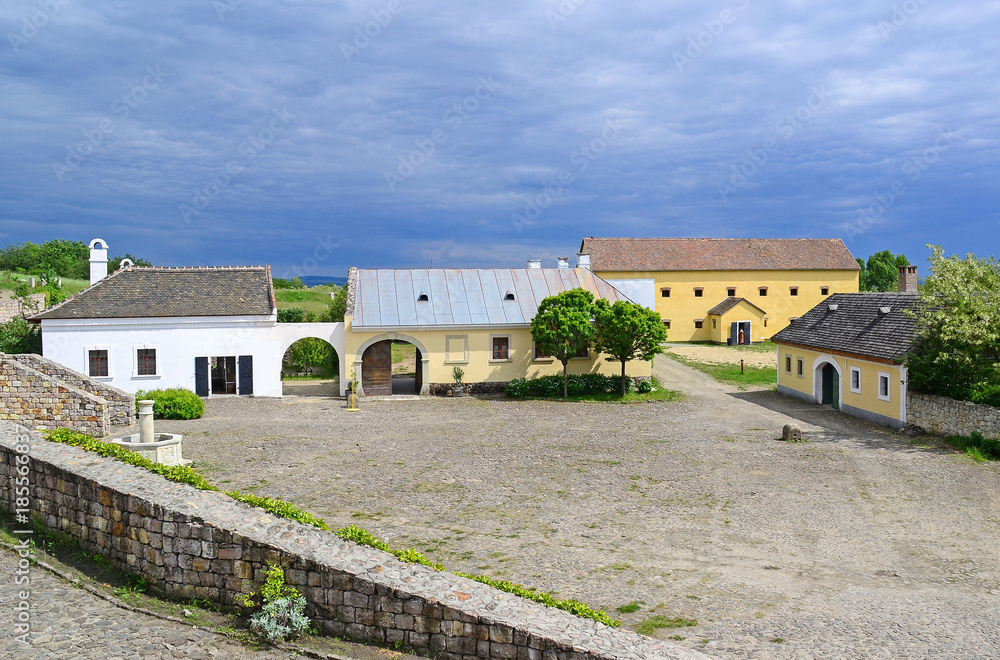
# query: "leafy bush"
988, 395
551, 386
173, 403
19, 336
980, 449
294, 283
279, 508
645, 387
282, 614
292, 315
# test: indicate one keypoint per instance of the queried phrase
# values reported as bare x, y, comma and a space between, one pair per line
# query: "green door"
835, 389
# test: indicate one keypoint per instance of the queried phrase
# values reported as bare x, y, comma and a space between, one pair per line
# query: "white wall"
179, 341
641, 292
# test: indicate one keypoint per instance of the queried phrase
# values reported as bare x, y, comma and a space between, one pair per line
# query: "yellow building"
475, 319
759, 285
847, 352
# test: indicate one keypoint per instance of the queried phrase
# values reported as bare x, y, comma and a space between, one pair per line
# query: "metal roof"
464, 297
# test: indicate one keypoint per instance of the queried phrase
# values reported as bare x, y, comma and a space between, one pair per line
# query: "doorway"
830, 389
224, 375
391, 367
739, 333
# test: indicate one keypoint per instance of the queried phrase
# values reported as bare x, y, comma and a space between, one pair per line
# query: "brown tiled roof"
168, 292
679, 254
728, 304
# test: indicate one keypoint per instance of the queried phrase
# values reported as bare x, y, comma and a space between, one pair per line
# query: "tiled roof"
458, 297
169, 292
680, 254
729, 303
856, 323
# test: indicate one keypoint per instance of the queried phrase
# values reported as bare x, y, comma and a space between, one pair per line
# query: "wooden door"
376, 369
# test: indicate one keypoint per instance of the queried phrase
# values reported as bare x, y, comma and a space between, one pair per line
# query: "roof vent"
563, 262
583, 260
833, 308
508, 296
422, 297
534, 263
884, 310
125, 263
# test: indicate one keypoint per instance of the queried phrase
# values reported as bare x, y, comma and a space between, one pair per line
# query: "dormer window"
422, 297
508, 296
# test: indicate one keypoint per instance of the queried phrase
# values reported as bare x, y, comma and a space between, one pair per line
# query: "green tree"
627, 331
116, 263
22, 257
66, 258
337, 308
881, 271
292, 315
563, 327
311, 352
294, 283
957, 348
19, 336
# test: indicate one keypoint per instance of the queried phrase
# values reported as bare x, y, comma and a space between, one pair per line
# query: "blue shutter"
246, 375
201, 376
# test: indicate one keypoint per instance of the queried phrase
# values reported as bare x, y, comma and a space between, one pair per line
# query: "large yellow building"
475, 319
726, 290
848, 352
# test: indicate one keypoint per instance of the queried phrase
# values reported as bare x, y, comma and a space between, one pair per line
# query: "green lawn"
310, 300
730, 373
70, 286
761, 347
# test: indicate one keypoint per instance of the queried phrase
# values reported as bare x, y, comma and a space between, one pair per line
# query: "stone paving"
860, 543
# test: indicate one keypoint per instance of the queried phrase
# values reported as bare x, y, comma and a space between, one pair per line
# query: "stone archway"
828, 381
422, 365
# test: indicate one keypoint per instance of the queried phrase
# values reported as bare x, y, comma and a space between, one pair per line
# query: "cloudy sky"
316, 135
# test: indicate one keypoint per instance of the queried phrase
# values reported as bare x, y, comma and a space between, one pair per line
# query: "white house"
212, 330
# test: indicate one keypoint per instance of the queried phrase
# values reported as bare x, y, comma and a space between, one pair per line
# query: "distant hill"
316, 280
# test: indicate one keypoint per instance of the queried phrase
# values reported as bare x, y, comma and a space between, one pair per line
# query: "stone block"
791, 433
354, 599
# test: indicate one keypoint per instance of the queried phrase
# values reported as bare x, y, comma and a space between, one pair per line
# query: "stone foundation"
944, 416
36, 400
197, 544
121, 404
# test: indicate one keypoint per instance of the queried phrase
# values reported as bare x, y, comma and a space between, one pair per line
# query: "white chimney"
534, 263
583, 260
98, 260
563, 262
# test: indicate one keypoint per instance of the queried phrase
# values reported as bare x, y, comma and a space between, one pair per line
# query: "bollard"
146, 421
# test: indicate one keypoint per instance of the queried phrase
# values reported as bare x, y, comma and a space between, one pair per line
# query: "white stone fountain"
164, 448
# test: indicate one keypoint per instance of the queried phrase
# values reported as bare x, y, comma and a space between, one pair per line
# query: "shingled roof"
728, 304
866, 324
679, 254
463, 296
171, 292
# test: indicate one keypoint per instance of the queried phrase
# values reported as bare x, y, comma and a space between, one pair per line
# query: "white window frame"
135, 360
856, 370
447, 352
86, 361
510, 349
888, 386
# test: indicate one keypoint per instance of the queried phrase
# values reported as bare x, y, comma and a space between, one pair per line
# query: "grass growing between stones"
186, 475
657, 621
978, 448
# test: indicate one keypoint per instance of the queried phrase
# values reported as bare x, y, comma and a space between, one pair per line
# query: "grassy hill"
311, 300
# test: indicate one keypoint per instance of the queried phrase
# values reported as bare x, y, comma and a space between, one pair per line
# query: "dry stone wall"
32, 398
10, 309
197, 544
945, 416
121, 404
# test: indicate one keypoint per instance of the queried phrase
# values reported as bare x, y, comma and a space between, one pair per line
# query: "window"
501, 349
583, 352
145, 362
788, 364
824, 290
765, 321
762, 291
456, 348
666, 324
698, 323
539, 355
793, 290
97, 363
856, 380
731, 292
665, 292
798, 367
883, 386
714, 326
698, 291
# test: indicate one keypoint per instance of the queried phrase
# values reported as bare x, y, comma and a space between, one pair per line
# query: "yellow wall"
479, 367
867, 400
719, 326
682, 307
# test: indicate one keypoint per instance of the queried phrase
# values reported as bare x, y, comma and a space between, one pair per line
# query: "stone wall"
197, 544
10, 309
944, 416
32, 398
121, 404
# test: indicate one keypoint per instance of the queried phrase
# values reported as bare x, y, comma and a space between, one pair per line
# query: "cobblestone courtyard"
859, 543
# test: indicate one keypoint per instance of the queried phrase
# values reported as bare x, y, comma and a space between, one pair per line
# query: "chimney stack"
583, 260
907, 279
563, 262
534, 263
98, 260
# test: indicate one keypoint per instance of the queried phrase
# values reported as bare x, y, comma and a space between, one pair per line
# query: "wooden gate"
376, 369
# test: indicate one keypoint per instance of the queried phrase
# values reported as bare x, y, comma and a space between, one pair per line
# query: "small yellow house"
475, 319
685, 279
848, 352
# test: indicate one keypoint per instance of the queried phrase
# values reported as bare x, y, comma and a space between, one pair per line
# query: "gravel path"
723, 354
859, 543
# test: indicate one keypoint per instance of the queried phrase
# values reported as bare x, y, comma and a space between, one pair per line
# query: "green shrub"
279, 508
282, 614
988, 395
292, 315
978, 448
173, 403
551, 386
645, 387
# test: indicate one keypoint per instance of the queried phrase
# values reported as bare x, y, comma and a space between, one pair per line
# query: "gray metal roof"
870, 324
170, 292
464, 297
